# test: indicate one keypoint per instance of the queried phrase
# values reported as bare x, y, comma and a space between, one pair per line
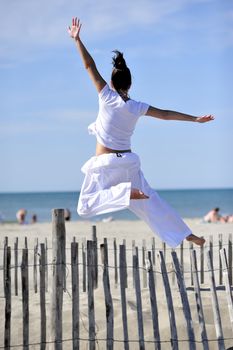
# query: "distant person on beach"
34, 219
113, 177
67, 214
21, 216
214, 216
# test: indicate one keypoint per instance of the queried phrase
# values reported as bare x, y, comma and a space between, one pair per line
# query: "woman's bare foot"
197, 240
137, 194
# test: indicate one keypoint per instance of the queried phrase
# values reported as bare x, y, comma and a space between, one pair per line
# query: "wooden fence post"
7, 334
227, 285
153, 303
108, 296
199, 302
16, 264
90, 289
139, 301
75, 295
42, 298
215, 305
171, 313
58, 239
25, 299
185, 302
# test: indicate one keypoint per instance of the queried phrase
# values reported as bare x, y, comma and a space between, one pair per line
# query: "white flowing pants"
106, 188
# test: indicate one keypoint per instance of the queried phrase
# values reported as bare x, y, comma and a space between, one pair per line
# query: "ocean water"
188, 203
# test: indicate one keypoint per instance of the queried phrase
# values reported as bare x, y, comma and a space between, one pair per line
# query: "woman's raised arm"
172, 115
88, 61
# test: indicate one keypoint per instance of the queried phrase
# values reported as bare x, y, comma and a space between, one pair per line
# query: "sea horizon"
78, 190
189, 203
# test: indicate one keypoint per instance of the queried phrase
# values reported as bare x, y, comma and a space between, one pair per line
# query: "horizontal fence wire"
121, 341
140, 249
113, 267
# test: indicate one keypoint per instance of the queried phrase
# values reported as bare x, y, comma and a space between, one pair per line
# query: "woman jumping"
113, 178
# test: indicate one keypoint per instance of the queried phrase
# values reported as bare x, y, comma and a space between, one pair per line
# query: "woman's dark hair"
121, 76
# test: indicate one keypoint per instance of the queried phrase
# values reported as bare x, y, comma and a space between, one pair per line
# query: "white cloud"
44, 22
31, 28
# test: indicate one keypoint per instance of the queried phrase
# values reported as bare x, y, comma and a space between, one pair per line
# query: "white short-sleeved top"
116, 119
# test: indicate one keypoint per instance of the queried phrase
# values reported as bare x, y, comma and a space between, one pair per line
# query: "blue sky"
180, 53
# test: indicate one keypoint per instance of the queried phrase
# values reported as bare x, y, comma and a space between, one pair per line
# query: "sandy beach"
128, 230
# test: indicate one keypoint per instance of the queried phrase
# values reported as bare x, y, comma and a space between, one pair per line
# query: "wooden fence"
146, 268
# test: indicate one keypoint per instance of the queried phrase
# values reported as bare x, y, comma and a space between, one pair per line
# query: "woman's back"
116, 119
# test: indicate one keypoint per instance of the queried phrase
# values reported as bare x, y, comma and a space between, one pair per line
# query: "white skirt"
106, 188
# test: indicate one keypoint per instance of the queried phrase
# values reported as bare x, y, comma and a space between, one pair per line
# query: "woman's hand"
205, 118
74, 30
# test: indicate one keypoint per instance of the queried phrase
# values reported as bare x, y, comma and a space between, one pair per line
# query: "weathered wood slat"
200, 311
35, 265
123, 295
84, 259
185, 302
153, 250
219, 257
95, 252
16, 264
75, 295
63, 251
182, 256
211, 245
126, 271
144, 273
46, 266
90, 290
227, 284
230, 258
171, 313
139, 302
215, 305
115, 262
133, 253
4, 263
202, 275
108, 296
58, 243
153, 303
25, 299
7, 333
164, 250
191, 268
42, 299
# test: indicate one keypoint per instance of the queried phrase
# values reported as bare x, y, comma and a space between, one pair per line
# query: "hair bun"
118, 60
